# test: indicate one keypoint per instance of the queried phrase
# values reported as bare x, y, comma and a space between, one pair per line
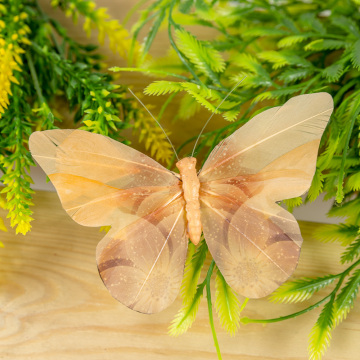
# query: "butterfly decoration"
153, 211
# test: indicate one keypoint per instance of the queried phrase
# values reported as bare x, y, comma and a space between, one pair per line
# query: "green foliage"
39, 63
227, 305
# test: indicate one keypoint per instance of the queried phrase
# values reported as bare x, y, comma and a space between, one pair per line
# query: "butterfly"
154, 211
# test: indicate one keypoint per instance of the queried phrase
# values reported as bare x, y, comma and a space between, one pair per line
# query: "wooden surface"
53, 305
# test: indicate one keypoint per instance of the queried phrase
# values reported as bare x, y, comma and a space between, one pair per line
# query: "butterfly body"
191, 190
152, 211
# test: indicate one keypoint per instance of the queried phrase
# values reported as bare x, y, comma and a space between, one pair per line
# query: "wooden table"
53, 305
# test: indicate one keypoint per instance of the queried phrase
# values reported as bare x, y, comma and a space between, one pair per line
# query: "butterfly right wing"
103, 182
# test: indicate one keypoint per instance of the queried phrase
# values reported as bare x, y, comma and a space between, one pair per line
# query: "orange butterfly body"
153, 211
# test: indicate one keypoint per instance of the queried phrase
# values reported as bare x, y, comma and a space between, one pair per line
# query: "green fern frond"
326, 44
352, 251
227, 305
193, 266
316, 185
292, 203
231, 115
292, 40
275, 94
188, 107
280, 59
320, 335
292, 75
204, 57
163, 87
248, 62
348, 210
333, 72
301, 289
355, 55
342, 233
353, 182
345, 300
187, 314
347, 24
263, 31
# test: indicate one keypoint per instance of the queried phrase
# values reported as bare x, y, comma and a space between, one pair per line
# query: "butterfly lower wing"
269, 135
142, 264
256, 246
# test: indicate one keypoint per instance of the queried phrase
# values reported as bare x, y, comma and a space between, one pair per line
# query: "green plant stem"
35, 78
211, 318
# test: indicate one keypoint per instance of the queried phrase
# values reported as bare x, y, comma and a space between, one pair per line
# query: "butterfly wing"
254, 242
103, 182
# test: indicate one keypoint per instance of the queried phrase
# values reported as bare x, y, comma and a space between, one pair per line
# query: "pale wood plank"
53, 305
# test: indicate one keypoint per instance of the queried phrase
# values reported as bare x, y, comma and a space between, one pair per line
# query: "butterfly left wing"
103, 182
254, 242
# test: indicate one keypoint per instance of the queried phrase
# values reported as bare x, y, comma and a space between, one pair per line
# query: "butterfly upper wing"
254, 242
103, 182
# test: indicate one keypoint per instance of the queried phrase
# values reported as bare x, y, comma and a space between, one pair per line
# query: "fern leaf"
292, 75
187, 314
349, 210
316, 185
281, 58
163, 87
263, 31
355, 55
301, 289
351, 252
345, 300
326, 44
320, 335
292, 203
333, 72
345, 234
353, 182
227, 305
292, 40
231, 115
347, 24
250, 63
275, 94
205, 58
193, 266
188, 107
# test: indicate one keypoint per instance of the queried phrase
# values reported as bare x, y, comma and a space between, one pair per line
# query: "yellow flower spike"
14, 37
23, 15
108, 104
92, 93
16, 18
104, 92
100, 109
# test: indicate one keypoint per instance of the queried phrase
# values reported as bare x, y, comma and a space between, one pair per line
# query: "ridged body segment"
191, 187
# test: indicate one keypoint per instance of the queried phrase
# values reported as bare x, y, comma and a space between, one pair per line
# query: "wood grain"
53, 305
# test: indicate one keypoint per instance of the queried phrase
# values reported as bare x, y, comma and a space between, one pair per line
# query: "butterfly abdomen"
191, 187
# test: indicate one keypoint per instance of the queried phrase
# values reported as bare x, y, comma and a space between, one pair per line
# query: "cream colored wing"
101, 181
142, 264
254, 242
269, 135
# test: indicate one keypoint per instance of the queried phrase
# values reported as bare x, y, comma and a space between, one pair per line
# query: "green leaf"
342, 233
187, 314
292, 203
316, 185
292, 75
326, 44
352, 251
320, 335
292, 40
204, 57
193, 266
355, 55
188, 107
333, 72
301, 289
353, 182
281, 58
227, 305
347, 24
263, 31
345, 300
163, 87
276, 94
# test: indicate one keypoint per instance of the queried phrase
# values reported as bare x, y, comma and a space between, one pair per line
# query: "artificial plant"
279, 49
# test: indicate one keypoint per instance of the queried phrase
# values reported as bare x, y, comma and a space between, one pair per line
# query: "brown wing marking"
255, 248
142, 264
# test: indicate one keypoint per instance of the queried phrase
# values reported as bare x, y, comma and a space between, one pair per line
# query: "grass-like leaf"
345, 300
301, 289
193, 266
342, 233
320, 335
227, 305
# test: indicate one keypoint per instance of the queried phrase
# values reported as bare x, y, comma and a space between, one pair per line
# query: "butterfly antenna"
203, 128
155, 121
